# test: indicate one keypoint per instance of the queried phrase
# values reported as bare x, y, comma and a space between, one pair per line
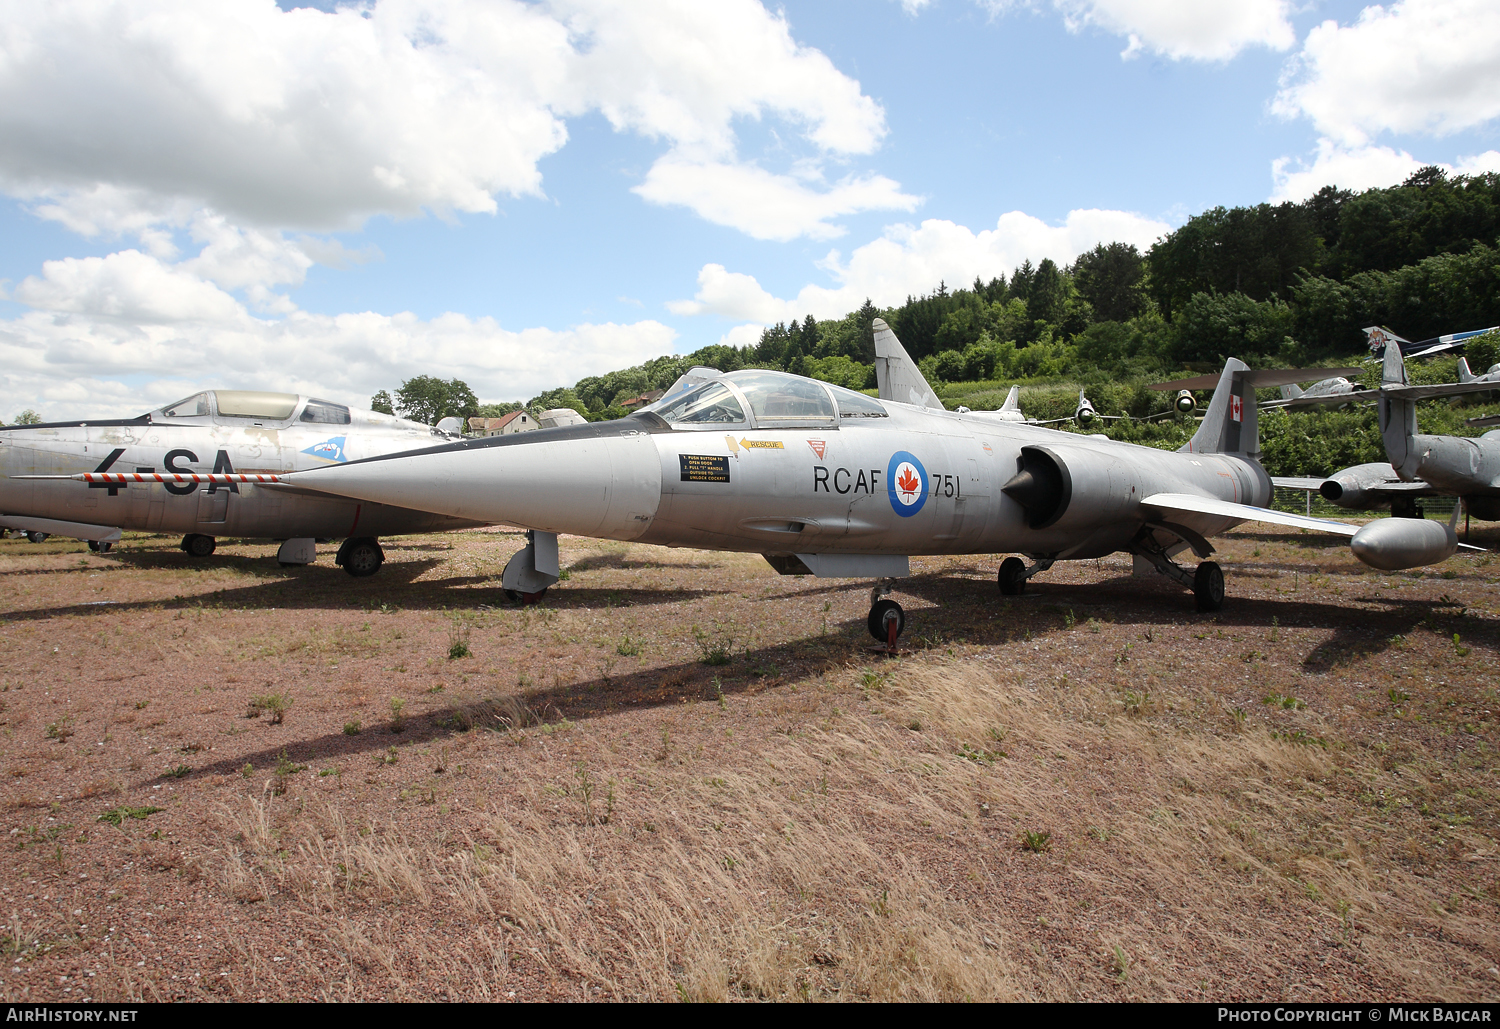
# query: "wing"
1302, 482
1333, 398
1245, 512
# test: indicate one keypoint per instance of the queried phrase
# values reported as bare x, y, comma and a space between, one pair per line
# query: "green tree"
1110, 278
429, 399
28, 417
382, 402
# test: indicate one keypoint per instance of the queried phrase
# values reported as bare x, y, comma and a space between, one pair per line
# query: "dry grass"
1089, 792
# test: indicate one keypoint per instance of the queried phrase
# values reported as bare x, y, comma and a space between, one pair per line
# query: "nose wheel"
886, 620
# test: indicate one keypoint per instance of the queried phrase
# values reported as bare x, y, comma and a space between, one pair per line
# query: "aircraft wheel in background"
1012, 576
100, 548
37, 537
1208, 586
198, 545
361, 556
525, 598
882, 612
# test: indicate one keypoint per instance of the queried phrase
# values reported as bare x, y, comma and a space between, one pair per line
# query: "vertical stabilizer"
1012, 400
1398, 418
1464, 375
897, 373
1229, 425
1291, 391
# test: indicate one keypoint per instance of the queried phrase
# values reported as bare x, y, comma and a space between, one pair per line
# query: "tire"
37, 537
198, 545
361, 557
100, 548
876, 622
525, 598
1012, 576
1208, 586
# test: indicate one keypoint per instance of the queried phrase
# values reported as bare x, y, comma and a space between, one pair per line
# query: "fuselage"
216, 431
786, 465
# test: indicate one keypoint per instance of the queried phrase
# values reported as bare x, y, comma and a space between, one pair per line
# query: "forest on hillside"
1282, 285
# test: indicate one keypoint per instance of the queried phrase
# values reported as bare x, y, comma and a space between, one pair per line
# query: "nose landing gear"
886, 620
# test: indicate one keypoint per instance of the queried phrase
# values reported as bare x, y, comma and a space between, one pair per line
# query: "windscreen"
856, 406
272, 407
192, 407
713, 404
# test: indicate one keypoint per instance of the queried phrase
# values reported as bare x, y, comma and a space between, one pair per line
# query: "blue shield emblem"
331, 449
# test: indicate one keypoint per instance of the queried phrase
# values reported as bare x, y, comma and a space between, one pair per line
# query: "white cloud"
1416, 66
767, 206
115, 116
1204, 30
912, 260
131, 315
1360, 168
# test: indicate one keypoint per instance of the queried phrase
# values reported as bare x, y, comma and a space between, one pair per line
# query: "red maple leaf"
908, 481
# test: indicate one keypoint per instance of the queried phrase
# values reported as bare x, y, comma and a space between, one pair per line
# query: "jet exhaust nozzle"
1395, 543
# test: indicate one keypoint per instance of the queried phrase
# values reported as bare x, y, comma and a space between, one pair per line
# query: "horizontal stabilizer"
1261, 378
1303, 482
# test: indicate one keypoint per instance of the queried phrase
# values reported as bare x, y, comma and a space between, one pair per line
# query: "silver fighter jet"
829, 482
205, 466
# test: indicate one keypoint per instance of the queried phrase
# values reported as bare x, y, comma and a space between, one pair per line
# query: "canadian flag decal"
1236, 407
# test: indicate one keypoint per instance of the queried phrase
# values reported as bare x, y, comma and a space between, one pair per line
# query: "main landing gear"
1014, 572
360, 556
198, 545
1206, 581
886, 619
101, 547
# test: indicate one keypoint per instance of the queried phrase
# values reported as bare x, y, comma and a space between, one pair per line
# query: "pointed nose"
608, 487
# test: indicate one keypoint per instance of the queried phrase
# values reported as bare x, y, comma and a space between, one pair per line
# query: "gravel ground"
683, 776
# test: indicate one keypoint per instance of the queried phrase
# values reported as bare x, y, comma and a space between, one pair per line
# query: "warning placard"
704, 467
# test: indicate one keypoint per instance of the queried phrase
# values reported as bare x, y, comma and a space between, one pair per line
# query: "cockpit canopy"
764, 399
256, 406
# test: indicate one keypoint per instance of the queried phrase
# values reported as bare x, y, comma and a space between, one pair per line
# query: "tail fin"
897, 373
1464, 375
1398, 418
1012, 400
1291, 391
1229, 425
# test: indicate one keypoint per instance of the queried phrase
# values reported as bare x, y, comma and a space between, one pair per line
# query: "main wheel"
1208, 586
100, 548
198, 545
1012, 576
37, 537
525, 598
881, 614
362, 557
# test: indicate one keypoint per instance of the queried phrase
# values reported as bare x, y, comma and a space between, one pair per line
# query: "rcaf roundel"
907, 484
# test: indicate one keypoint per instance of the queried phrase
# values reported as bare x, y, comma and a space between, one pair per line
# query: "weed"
1397, 641
1461, 651
1275, 625
1397, 697
1284, 701
61, 729
176, 773
1122, 964
1036, 840
719, 691
1068, 620
117, 816
398, 720
1239, 717
352, 728
628, 647
980, 756
872, 680
1093, 624
247, 771
1137, 701
390, 757
1123, 657
273, 704
717, 651
141, 705
458, 641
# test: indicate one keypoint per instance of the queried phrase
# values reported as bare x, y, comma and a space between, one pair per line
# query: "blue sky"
522, 194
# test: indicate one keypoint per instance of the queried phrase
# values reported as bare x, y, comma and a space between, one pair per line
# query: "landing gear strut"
1206, 581
886, 620
1014, 573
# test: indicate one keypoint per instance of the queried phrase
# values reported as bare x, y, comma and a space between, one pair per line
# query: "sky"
333, 198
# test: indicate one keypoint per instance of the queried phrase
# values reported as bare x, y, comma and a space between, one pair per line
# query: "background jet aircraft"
1084, 415
1333, 390
829, 482
1378, 337
1420, 466
167, 452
